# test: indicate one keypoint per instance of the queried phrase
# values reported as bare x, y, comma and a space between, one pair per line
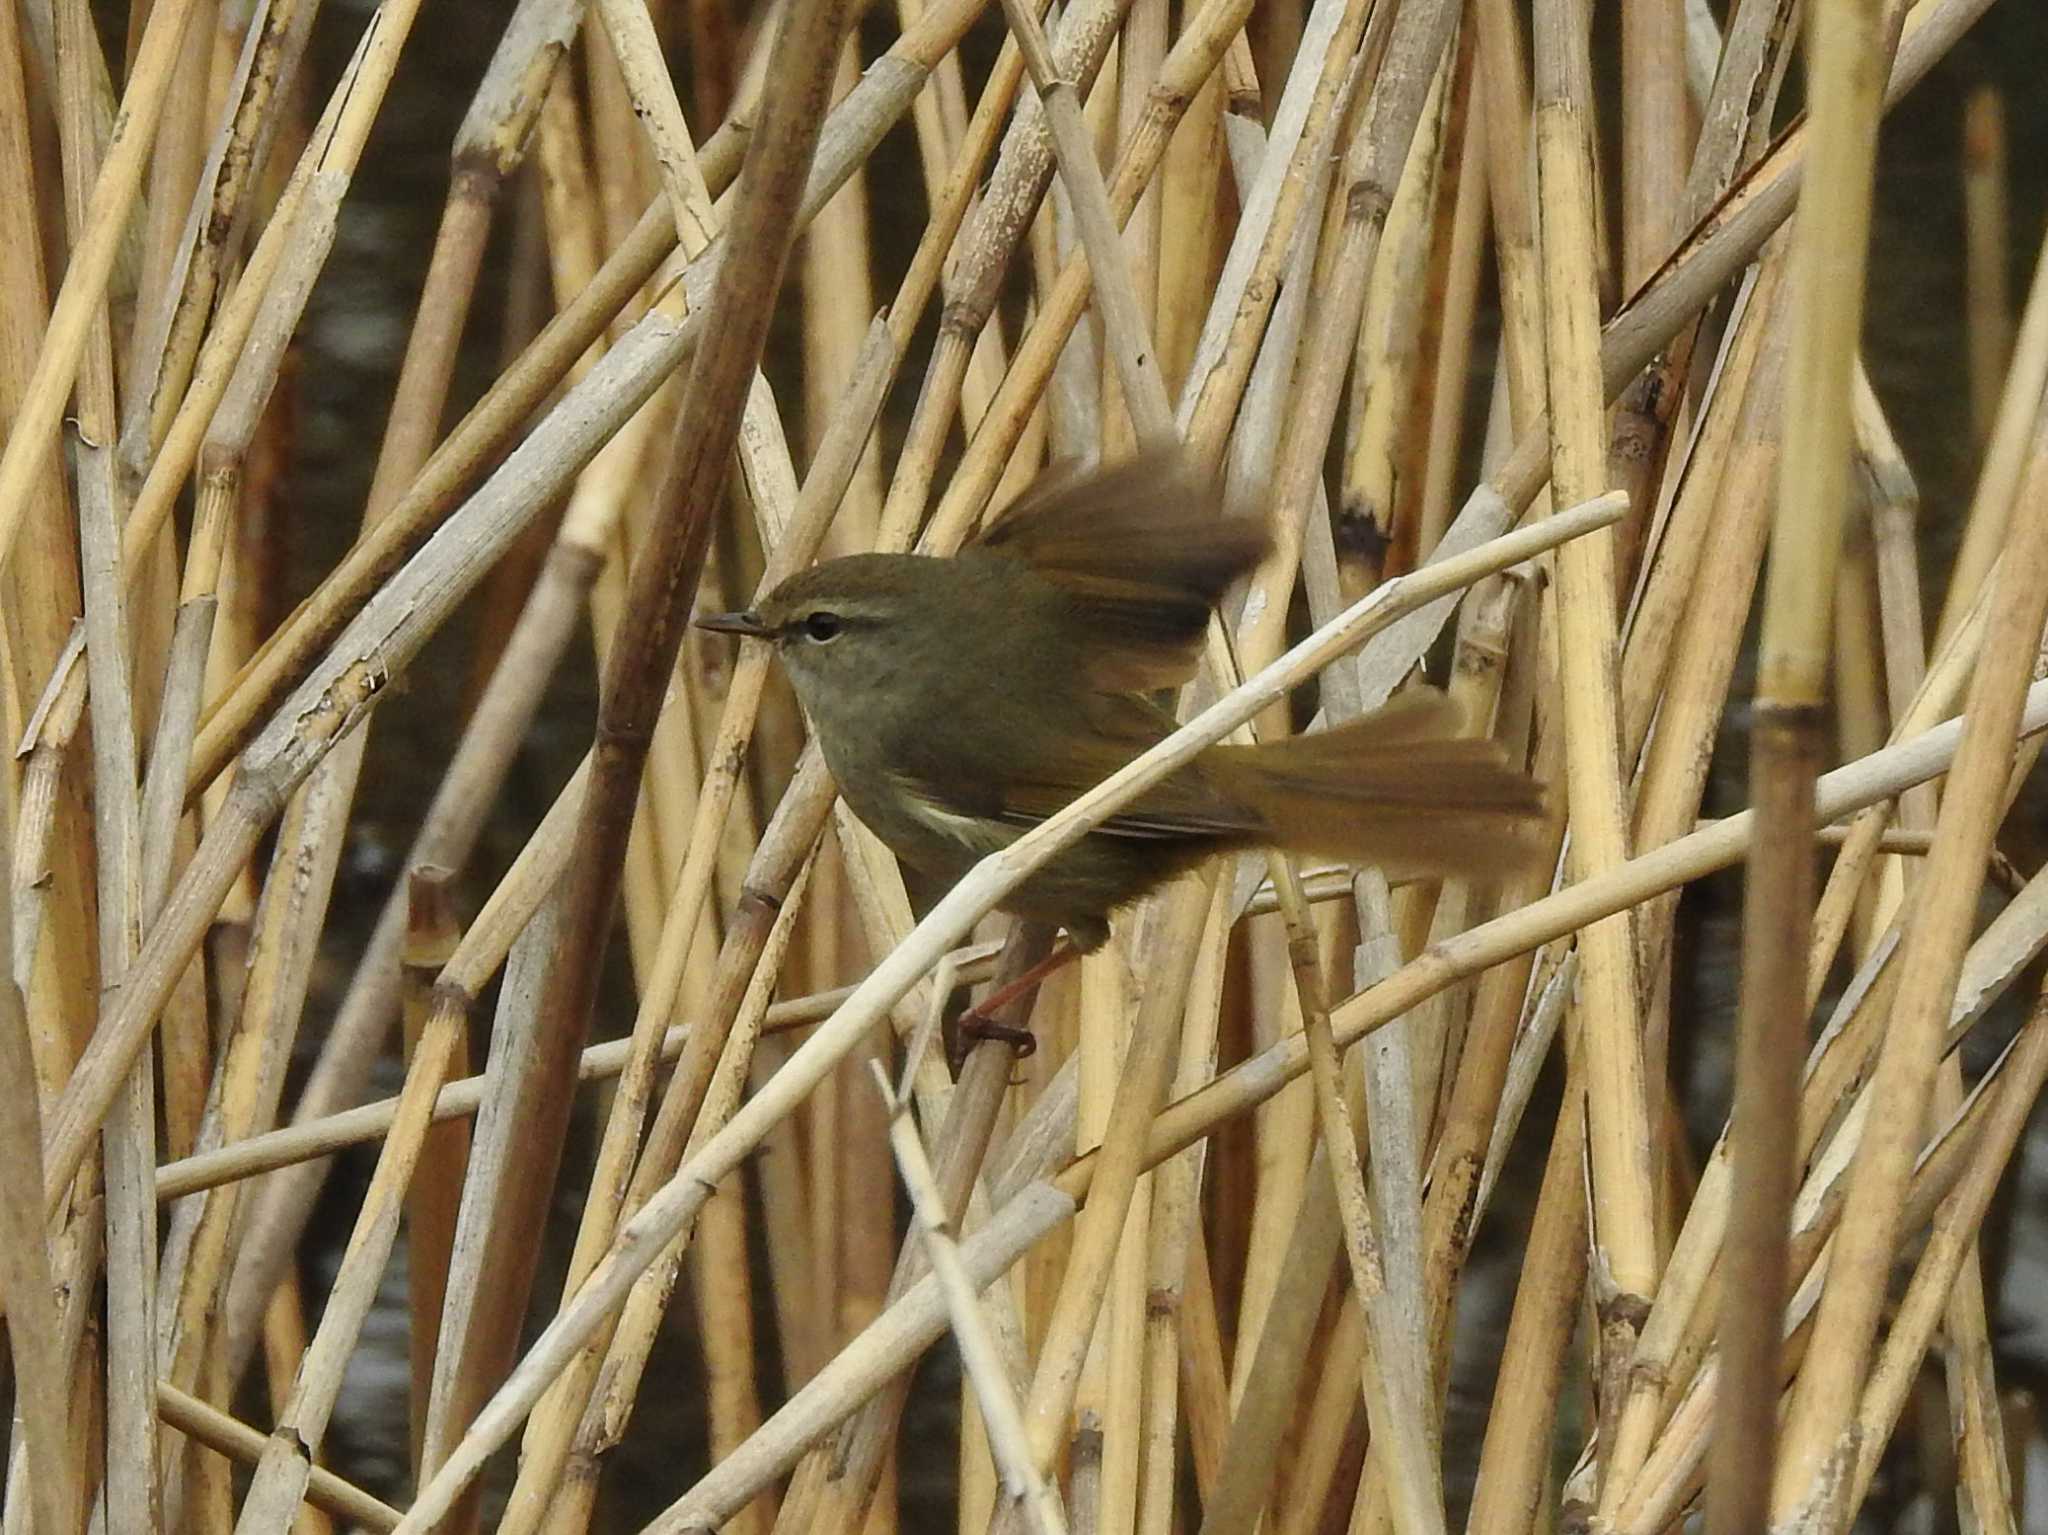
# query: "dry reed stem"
591, 523
548, 1440
431, 1199
978, 1352
129, 1495
307, 1139
1835, 1067
1395, 1388
1513, 1484
1146, 1069
835, 1485
1828, 262
1755, 203
487, 148
1022, 175
1416, 42
1271, 1381
55, 1479
1464, 260
1653, 132
1303, 128
1625, 1256
324, 171
1505, 87
604, 1419
1671, 1475
1893, 498
448, 831
50, 819
1171, 1332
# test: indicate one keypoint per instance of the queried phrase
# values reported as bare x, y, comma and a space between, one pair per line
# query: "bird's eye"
821, 626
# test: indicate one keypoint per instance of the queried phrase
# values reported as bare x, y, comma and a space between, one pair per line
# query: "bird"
961, 700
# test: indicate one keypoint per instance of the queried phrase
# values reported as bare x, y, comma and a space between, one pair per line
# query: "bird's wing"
1031, 784
1139, 553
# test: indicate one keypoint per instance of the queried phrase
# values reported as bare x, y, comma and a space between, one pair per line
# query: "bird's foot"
981, 1022
976, 1026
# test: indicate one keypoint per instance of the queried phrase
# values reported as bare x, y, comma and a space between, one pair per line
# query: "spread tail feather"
1399, 789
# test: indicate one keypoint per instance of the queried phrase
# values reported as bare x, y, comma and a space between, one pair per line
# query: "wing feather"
1140, 553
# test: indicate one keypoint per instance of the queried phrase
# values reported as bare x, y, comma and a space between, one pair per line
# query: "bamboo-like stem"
1671, 1475
1653, 123
1511, 1463
322, 1137
1139, 1091
1828, 262
834, 1488
1610, 1030
130, 1496
51, 825
1126, 326
1259, 1418
430, 1201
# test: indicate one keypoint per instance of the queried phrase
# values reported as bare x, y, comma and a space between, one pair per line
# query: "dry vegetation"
1201, 1253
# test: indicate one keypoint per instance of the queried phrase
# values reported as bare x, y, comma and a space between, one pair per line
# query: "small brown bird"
961, 701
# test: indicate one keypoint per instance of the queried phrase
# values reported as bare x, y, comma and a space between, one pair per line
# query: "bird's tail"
1400, 789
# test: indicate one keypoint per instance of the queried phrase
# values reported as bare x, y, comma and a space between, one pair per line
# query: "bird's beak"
747, 623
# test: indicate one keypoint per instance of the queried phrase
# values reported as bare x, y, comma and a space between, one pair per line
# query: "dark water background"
350, 349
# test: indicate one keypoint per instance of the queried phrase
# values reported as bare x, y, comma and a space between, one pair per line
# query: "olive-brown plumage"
961, 701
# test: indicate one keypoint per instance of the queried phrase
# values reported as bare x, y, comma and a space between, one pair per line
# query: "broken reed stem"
1829, 256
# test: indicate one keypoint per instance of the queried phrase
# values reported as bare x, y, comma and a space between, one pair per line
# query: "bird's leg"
979, 1022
